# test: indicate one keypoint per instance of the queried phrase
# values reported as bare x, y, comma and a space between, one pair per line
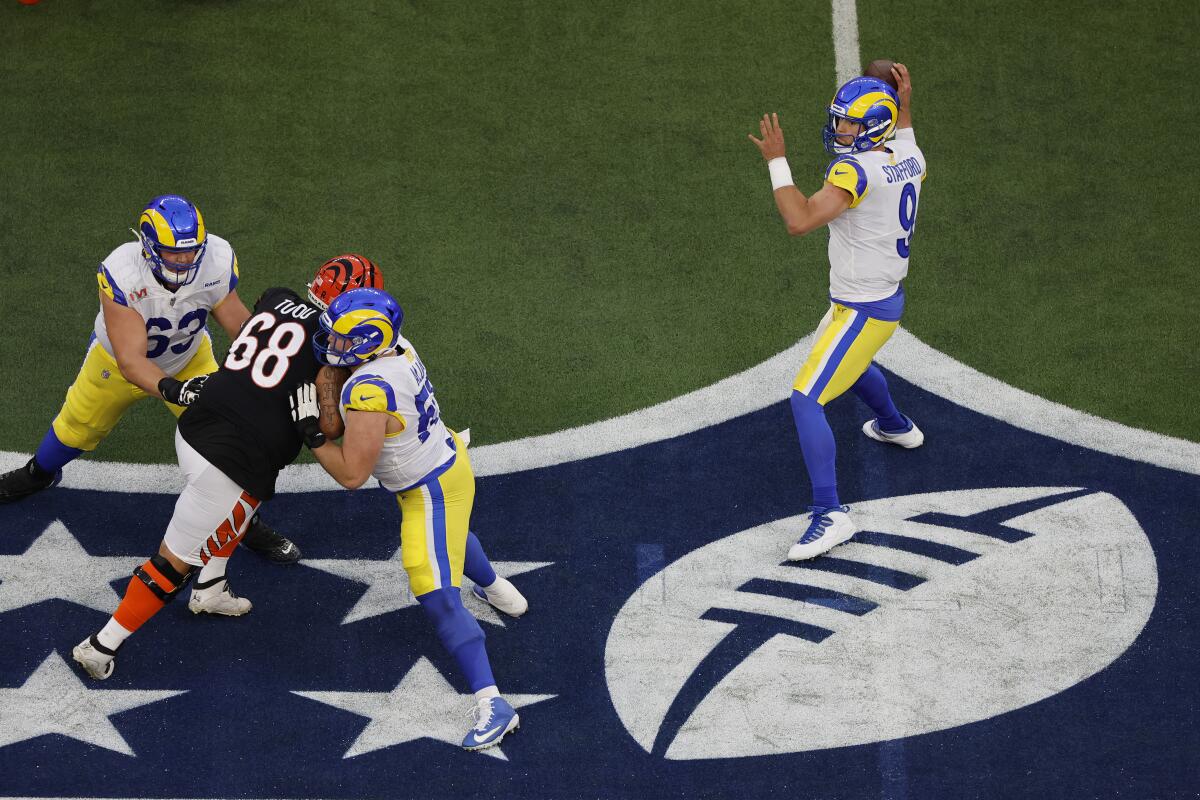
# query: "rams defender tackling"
869, 201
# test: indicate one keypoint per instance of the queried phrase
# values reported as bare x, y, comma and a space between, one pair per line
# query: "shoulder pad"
109, 286
369, 392
846, 173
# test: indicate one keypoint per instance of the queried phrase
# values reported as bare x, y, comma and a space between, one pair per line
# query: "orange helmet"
341, 274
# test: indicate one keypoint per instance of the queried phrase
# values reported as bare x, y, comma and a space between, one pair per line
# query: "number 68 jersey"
242, 422
869, 242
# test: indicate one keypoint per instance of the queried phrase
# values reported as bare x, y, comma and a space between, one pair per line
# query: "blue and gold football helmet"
358, 326
171, 224
869, 102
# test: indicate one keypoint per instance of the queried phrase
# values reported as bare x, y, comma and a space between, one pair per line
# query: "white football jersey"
869, 242
398, 386
176, 322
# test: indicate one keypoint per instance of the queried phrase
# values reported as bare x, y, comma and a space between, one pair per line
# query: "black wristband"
170, 389
310, 431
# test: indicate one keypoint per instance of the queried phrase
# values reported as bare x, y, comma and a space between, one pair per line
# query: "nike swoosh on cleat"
479, 737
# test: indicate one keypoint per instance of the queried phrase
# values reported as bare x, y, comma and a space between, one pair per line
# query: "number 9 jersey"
869, 242
242, 422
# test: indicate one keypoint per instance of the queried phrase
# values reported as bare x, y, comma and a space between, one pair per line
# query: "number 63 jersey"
399, 387
869, 242
175, 321
242, 422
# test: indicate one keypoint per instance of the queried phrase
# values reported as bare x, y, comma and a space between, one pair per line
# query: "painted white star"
422, 706
388, 588
55, 700
57, 567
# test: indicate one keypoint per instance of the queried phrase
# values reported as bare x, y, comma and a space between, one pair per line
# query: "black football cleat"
25, 481
269, 543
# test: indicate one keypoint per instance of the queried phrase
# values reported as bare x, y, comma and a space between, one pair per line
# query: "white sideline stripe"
934, 371
846, 60
735, 396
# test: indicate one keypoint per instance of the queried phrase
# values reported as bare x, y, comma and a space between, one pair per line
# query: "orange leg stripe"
251, 501
238, 517
224, 535
224, 542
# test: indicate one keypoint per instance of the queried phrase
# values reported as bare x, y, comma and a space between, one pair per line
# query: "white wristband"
781, 173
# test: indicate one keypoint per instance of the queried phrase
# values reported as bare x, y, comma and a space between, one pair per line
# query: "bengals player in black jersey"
231, 443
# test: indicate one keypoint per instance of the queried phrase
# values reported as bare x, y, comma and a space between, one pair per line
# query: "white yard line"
846, 59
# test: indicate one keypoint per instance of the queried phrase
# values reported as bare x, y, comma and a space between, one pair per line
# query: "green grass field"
564, 200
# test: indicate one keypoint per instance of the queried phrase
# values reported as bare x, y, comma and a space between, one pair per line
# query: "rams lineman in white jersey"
869, 201
394, 431
150, 340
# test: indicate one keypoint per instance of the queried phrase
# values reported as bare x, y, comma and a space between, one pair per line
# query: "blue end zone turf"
609, 525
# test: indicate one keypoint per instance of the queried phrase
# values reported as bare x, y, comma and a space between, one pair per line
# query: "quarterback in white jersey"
395, 432
869, 202
868, 243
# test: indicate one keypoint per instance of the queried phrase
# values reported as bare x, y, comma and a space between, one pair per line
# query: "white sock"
214, 570
112, 634
486, 692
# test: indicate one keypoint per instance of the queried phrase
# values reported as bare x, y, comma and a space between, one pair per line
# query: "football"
330, 381
881, 68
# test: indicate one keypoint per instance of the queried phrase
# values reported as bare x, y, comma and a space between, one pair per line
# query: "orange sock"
149, 590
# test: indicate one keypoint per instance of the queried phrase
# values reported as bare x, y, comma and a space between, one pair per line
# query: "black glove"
181, 393
304, 414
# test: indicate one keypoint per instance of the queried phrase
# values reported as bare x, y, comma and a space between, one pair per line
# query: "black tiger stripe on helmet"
341, 274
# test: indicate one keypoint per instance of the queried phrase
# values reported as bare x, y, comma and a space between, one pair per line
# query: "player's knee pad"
162, 579
454, 624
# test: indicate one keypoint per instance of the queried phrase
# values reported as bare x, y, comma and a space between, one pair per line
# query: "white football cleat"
828, 528
504, 596
909, 439
211, 600
97, 664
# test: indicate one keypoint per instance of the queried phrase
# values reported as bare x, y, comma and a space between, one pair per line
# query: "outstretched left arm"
800, 214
